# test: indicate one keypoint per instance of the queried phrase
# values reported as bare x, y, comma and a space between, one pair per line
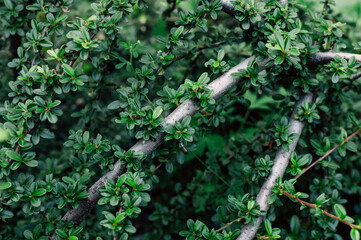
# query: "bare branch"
228, 7
325, 57
278, 169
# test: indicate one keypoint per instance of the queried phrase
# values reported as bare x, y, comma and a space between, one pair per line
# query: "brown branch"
229, 224
329, 152
315, 207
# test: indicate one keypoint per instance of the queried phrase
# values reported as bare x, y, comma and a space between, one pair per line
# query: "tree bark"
278, 169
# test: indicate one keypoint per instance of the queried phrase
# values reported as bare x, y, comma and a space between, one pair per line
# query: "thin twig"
315, 207
211, 170
229, 224
329, 152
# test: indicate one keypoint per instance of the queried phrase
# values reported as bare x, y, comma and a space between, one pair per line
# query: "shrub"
246, 115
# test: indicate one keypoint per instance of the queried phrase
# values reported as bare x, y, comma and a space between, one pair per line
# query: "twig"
157, 167
229, 224
329, 152
315, 207
325, 6
211, 170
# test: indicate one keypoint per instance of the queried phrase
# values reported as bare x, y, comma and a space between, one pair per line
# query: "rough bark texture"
228, 7
326, 57
278, 169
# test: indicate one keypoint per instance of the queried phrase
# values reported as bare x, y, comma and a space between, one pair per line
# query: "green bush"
195, 119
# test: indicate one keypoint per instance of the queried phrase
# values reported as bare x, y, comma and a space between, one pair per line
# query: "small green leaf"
355, 234
69, 70
178, 31
39, 192
157, 112
13, 155
268, 226
9, 4
114, 105
32, 163
5, 185
340, 210
61, 233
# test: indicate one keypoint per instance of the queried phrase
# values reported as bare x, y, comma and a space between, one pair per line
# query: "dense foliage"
82, 82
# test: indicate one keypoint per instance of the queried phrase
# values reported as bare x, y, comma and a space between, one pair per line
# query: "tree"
246, 115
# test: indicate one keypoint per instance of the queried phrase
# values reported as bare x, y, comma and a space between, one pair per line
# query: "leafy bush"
246, 115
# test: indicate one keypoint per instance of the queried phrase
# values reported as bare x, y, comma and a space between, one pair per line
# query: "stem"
229, 224
148, 100
315, 207
329, 152
211, 170
325, 6
157, 167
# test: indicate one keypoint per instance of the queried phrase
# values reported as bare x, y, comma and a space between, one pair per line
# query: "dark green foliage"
83, 81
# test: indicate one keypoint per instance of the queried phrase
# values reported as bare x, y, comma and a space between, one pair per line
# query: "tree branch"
228, 7
219, 86
329, 152
314, 206
278, 169
326, 57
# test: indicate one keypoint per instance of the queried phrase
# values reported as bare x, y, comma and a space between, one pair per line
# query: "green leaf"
114, 105
339, 210
103, 201
28, 234
289, 187
69, 70
203, 78
32, 163
13, 155
355, 234
295, 224
157, 112
268, 226
9, 4
178, 31
39, 192
221, 54
187, 137
186, 121
39, 101
61, 233
5, 185
279, 40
